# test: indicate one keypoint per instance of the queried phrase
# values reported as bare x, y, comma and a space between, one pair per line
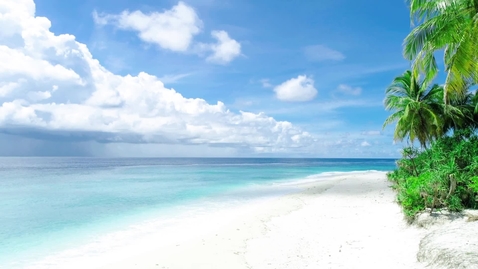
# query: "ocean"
55, 210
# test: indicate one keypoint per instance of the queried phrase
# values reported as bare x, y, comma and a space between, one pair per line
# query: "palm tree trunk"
424, 129
446, 88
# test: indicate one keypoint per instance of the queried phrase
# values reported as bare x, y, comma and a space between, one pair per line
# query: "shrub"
442, 176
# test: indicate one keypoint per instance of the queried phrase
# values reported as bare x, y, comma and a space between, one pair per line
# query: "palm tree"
459, 113
417, 109
449, 25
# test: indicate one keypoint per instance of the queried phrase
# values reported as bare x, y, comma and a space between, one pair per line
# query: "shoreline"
345, 221
312, 226
151, 233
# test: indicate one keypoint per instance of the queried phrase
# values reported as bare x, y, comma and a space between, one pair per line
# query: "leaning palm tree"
451, 26
416, 109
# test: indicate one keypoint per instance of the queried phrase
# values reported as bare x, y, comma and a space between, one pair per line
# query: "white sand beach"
349, 220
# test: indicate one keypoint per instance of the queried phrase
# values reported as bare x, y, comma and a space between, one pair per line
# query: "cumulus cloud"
224, 50
70, 104
365, 144
349, 90
54, 86
321, 53
299, 89
7, 88
174, 30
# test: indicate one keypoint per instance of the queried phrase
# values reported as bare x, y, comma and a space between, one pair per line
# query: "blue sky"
312, 75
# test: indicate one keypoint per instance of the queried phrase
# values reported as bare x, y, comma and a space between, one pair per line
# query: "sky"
199, 78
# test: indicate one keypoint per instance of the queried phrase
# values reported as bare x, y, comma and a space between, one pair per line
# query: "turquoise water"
51, 204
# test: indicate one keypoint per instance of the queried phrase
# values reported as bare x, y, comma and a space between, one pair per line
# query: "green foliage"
442, 176
474, 184
409, 195
416, 108
448, 26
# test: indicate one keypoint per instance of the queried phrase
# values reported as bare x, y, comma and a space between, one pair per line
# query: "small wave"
324, 176
188, 223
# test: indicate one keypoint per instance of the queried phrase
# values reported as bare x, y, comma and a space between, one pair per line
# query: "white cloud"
224, 50
365, 144
172, 29
7, 88
321, 53
55, 85
102, 19
25, 63
298, 89
349, 90
69, 102
38, 96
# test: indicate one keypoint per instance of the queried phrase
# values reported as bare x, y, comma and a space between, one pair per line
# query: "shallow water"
49, 205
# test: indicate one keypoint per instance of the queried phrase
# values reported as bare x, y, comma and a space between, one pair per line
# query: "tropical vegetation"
443, 176
450, 26
439, 167
416, 108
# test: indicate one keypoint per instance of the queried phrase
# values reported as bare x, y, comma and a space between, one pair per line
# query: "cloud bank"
52, 87
56, 98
